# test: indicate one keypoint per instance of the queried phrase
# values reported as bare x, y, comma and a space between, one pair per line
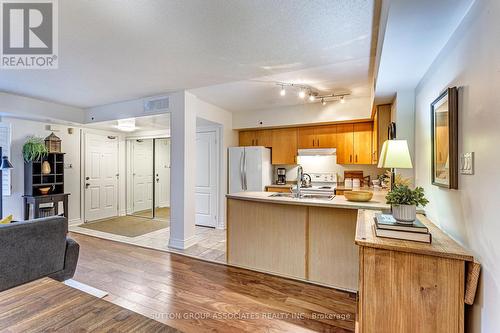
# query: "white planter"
405, 214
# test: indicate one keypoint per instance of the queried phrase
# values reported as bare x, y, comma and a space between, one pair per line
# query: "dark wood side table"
40, 199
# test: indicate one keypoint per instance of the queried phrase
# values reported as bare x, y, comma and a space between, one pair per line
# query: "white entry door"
142, 173
162, 172
101, 177
206, 179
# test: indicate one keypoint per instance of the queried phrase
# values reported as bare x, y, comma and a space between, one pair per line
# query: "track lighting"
311, 97
342, 100
282, 91
323, 101
302, 93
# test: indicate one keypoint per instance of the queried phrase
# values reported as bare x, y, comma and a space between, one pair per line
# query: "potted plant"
34, 149
404, 202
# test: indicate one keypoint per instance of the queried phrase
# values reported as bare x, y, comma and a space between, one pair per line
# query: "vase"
404, 214
45, 168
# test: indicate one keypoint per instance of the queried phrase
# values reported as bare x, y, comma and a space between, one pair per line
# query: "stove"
324, 183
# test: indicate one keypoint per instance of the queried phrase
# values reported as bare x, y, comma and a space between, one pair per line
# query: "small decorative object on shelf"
46, 168
53, 143
404, 202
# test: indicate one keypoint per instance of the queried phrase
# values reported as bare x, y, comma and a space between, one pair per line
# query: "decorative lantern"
53, 143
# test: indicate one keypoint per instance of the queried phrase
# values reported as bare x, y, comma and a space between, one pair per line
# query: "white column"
183, 163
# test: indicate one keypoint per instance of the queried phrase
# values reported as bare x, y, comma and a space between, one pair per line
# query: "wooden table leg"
36, 210
65, 205
26, 209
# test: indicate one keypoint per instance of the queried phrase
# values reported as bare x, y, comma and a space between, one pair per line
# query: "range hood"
317, 152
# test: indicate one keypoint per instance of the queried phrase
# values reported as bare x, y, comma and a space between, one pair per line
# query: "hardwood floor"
196, 296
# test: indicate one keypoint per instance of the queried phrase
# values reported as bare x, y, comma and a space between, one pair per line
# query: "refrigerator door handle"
241, 171
245, 171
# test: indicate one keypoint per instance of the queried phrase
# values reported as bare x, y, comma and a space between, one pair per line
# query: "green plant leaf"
34, 149
403, 195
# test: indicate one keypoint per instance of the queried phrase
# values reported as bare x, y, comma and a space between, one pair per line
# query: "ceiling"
149, 123
112, 51
415, 33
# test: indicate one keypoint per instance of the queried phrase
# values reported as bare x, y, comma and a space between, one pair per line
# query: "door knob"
87, 185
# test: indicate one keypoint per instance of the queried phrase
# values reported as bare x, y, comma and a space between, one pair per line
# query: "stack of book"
387, 226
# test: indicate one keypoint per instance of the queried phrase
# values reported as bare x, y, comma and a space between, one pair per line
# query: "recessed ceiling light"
282, 91
126, 125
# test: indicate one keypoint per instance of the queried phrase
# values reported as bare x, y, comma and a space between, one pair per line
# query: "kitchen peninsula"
308, 239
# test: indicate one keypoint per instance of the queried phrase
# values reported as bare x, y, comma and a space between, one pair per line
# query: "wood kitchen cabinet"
255, 138
284, 145
317, 137
381, 122
354, 143
362, 143
345, 143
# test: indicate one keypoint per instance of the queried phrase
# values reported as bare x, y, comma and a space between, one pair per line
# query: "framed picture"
444, 135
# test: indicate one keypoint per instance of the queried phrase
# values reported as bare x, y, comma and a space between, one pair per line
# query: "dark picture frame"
444, 139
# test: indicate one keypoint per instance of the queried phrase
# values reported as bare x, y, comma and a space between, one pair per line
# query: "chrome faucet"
300, 175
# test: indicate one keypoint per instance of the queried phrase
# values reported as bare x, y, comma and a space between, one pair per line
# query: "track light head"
323, 101
311, 97
302, 93
342, 99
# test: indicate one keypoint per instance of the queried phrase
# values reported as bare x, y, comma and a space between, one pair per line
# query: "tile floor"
211, 245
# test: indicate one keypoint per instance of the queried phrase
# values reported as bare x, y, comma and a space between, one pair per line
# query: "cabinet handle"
356, 158
318, 142
350, 158
313, 142
256, 142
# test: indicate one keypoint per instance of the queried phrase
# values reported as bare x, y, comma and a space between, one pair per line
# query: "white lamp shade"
395, 154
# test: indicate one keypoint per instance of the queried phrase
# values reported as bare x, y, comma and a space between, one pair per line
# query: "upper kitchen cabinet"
284, 144
256, 138
381, 122
345, 143
354, 143
317, 137
362, 143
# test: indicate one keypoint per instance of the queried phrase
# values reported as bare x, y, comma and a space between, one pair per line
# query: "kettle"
306, 180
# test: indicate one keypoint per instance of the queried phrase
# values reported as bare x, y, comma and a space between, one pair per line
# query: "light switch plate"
467, 164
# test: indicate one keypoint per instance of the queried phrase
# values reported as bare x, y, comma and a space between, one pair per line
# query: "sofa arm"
70, 261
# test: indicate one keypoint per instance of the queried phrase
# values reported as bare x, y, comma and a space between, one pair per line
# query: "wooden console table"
40, 199
408, 286
46, 305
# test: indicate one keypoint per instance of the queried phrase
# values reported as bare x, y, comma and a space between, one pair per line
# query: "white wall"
470, 214
403, 114
354, 108
224, 119
30, 108
70, 144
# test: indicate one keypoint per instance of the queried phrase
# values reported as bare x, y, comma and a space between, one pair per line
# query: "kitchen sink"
303, 196
326, 197
281, 195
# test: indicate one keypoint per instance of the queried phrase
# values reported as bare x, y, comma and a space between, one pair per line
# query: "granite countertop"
339, 201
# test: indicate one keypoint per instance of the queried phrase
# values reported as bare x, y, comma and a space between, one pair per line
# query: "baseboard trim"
75, 221
182, 244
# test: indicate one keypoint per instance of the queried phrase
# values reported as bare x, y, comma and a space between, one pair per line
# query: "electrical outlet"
467, 164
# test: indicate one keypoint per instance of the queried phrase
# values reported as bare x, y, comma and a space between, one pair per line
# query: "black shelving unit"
34, 180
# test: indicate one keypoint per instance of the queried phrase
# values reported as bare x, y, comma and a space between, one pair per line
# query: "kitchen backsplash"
320, 164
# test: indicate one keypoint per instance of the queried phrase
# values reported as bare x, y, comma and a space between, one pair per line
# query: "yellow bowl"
359, 196
44, 190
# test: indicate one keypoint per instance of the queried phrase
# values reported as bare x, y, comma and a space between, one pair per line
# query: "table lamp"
395, 155
5, 164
